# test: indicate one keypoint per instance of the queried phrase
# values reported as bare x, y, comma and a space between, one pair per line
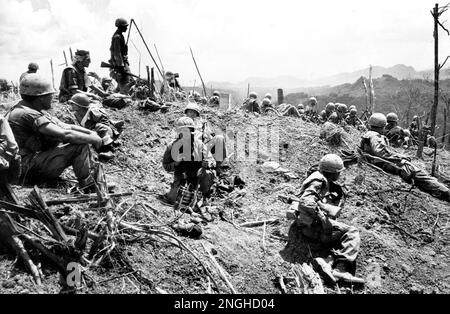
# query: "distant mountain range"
293, 84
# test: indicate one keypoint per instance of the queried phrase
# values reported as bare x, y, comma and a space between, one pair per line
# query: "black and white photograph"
226, 153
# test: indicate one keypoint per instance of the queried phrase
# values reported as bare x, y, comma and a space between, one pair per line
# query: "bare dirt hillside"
405, 235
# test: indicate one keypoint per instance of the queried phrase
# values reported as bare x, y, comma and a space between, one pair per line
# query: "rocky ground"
403, 248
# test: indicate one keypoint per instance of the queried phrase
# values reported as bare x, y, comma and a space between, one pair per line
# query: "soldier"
188, 158
266, 104
414, 127
352, 119
320, 202
172, 82
48, 146
119, 57
91, 116
338, 117
268, 96
286, 110
311, 109
325, 114
375, 147
215, 99
393, 131
251, 104
32, 68
74, 78
214, 142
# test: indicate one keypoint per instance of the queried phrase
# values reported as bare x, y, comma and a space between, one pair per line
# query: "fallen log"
259, 223
45, 216
222, 273
83, 198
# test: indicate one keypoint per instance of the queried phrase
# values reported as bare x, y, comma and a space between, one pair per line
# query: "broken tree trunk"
45, 216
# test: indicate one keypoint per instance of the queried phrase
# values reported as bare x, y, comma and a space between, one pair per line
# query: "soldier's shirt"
25, 123
73, 78
119, 50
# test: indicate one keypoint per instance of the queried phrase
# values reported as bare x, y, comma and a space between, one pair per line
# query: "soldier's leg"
424, 181
173, 193
345, 241
51, 164
206, 180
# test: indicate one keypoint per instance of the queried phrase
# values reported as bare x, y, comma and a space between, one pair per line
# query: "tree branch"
443, 27
441, 66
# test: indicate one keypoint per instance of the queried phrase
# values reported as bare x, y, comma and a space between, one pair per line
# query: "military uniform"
73, 78
252, 105
376, 147
44, 156
8, 152
315, 225
190, 170
119, 60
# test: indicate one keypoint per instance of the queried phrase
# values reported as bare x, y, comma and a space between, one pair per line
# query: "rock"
416, 289
407, 269
359, 203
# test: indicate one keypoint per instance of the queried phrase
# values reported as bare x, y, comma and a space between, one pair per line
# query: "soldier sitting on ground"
91, 116
286, 110
214, 101
325, 114
266, 105
48, 146
352, 118
251, 104
311, 113
188, 158
320, 202
375, 147
32, 68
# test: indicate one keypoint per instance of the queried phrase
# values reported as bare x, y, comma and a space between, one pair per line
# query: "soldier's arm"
69, 135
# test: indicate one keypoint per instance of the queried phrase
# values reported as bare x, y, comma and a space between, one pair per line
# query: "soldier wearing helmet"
214, 101
376, 149
268, 96
190, 161
320, 201
352, 119
93, 117
266, 104
325, 114
32, 68
393, 131
414, 127
119, 57
251, 104
48, 146
311, 113
215, 142
74, 78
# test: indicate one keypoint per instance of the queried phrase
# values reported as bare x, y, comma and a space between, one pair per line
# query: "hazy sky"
231, 39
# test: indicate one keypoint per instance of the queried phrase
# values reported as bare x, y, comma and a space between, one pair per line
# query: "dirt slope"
391, 260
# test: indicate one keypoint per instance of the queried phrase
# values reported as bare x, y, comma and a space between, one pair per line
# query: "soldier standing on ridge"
119, 57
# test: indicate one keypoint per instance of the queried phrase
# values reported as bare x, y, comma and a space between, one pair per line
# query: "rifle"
110, 66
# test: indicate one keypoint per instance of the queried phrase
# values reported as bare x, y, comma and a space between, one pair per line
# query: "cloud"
231, 39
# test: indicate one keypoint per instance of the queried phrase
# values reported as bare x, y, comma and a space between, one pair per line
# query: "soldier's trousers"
50, 164
290, 111
104, 130
217, 148
424, 181
205, 179
344, 239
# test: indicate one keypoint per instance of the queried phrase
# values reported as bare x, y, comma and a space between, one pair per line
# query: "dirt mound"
403, 248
